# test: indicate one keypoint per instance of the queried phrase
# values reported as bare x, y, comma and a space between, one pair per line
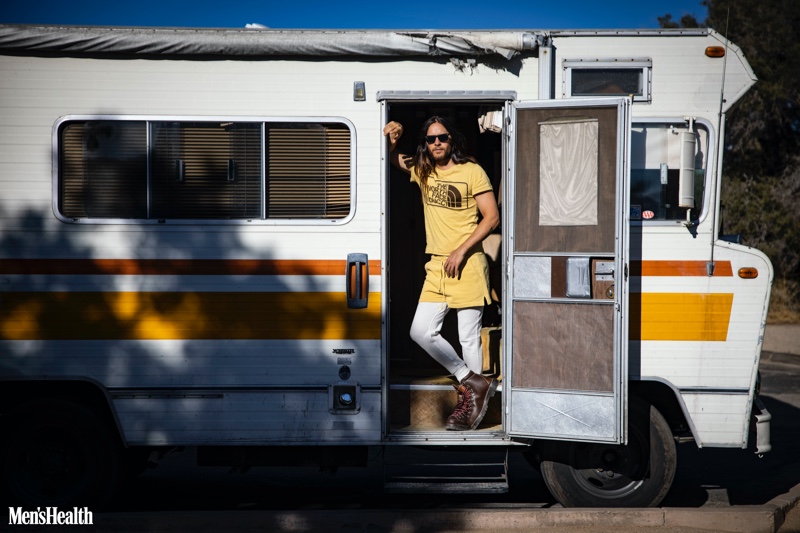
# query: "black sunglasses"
443, 138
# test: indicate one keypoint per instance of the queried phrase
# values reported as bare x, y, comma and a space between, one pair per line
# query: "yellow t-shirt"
451, 215
451, 212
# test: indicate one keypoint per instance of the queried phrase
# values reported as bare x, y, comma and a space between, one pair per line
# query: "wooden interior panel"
567, 346
529, 235
558, 277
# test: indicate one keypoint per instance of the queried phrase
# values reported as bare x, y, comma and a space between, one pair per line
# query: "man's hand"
453, 263
393, 130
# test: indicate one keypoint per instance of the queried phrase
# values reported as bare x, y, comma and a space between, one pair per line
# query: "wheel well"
85, 392
663, 398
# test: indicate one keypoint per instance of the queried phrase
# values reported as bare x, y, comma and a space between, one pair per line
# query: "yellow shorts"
469, 289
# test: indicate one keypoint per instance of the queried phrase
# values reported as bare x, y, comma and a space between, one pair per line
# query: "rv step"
490, 477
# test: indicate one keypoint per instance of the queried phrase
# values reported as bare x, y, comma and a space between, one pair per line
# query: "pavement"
751, 519
782, 339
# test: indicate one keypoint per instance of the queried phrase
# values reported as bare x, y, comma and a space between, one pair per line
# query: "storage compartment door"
566, 256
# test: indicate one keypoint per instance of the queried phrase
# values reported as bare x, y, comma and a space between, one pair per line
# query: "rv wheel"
638, 474
57, 453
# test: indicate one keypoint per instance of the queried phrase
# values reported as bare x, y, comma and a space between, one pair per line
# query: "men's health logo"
50, 516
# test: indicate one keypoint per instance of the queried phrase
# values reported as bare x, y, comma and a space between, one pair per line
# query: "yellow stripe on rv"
186, 315
680, 316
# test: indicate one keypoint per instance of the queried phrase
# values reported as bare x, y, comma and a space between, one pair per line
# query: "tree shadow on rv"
80, 327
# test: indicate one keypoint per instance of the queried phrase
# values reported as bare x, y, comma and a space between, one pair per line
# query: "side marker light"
748, 273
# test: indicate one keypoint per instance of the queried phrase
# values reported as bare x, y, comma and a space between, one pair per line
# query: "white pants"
426, 328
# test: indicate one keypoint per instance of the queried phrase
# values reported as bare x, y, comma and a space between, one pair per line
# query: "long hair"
423, 161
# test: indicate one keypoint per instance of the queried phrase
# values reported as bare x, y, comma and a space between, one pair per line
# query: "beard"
442, 157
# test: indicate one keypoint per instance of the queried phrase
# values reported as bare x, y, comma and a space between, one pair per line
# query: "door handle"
357, 279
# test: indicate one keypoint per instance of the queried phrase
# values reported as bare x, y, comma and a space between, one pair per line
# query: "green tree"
761, 176
687, 21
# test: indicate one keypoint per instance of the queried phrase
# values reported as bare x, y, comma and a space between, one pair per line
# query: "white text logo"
49, 516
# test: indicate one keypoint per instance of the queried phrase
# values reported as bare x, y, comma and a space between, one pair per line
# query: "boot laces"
460, 396
463, 408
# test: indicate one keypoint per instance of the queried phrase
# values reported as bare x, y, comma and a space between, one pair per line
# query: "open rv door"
566, 231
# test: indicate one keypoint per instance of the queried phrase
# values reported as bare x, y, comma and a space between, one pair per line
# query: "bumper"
762, 419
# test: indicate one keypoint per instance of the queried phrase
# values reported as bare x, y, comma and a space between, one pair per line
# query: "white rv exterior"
226, 322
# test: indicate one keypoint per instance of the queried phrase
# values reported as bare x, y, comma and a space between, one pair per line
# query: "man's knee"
422, 334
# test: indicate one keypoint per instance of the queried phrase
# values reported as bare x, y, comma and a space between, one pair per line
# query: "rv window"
308, 171
163, 170
103, 169
607, 78
655, 170
205, 170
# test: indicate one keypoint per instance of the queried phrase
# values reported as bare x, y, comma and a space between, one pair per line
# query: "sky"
352, 14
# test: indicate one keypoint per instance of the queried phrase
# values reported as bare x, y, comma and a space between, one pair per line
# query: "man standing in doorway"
455, 190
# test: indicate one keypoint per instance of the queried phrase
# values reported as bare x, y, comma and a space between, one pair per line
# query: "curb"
783, 504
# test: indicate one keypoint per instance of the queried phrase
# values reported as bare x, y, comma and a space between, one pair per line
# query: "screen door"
566, 247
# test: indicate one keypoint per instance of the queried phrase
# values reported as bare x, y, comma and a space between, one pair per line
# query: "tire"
638, 474
58, 453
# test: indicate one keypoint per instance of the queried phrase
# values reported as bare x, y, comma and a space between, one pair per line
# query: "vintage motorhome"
202, 244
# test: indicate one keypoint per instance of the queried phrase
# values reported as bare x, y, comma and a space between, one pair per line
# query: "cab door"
566, 242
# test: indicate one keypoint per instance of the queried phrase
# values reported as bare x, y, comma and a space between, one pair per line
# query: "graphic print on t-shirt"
450, 194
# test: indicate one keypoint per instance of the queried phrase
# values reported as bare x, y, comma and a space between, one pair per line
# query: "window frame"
710, 183
265, 121
643, 65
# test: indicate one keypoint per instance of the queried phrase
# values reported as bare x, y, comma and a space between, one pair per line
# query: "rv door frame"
386, 98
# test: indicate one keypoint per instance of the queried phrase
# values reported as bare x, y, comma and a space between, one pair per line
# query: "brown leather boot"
476, 391
458, 420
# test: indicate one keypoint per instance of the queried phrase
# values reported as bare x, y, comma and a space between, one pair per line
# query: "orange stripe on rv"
185, 267
679, 316
679, 268
186, 315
